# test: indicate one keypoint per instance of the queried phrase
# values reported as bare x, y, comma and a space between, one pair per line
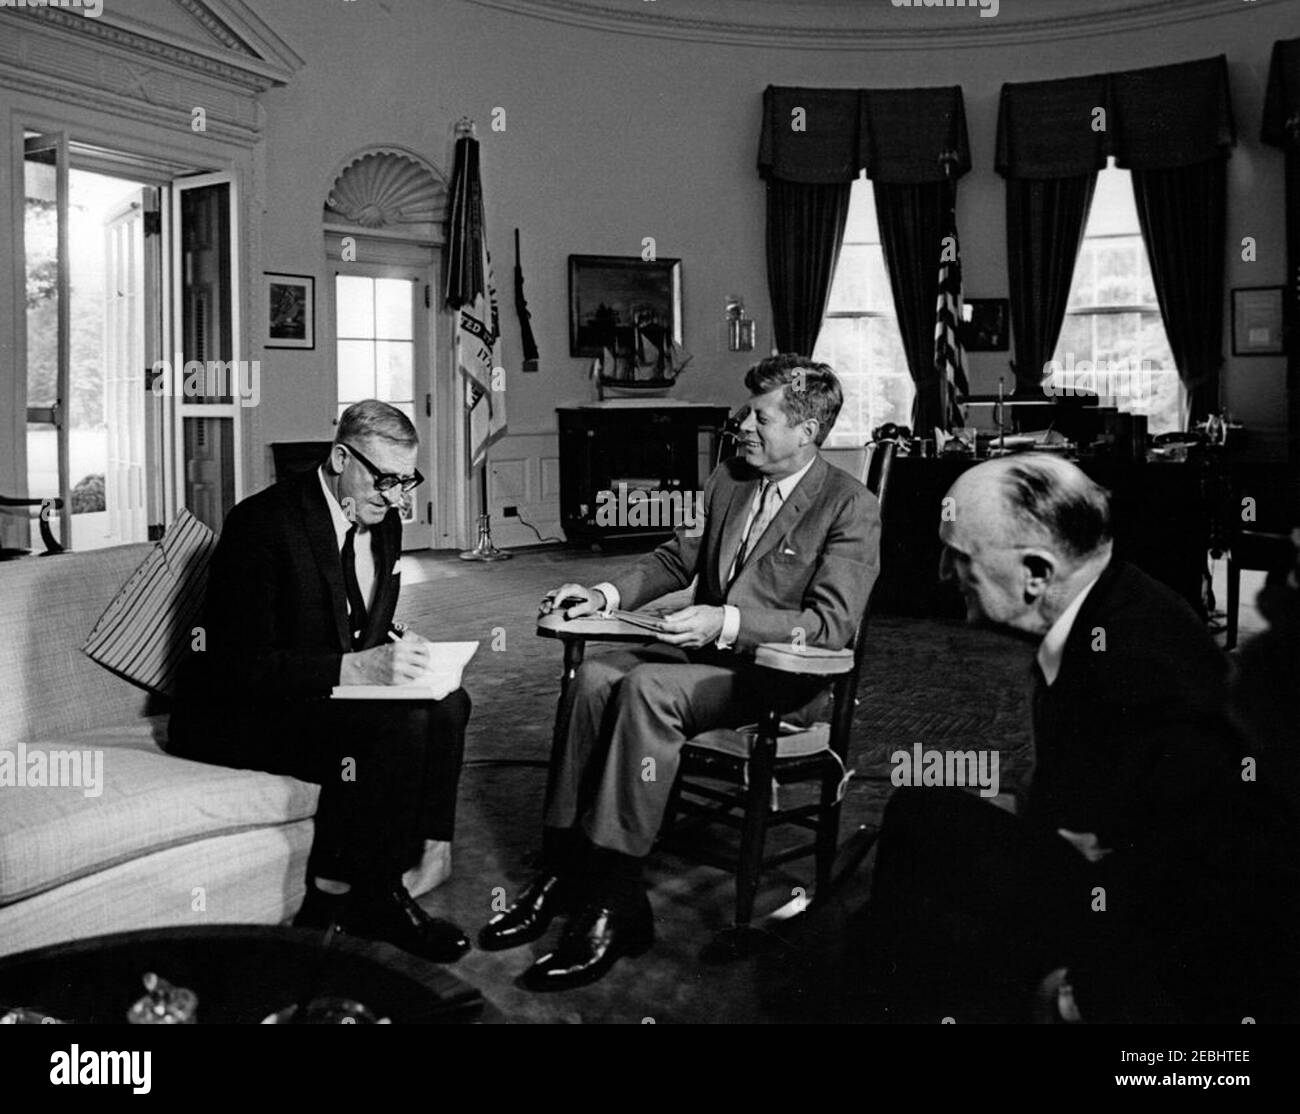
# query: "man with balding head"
1139, 872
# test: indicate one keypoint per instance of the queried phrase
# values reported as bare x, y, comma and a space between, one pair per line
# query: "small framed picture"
1257, 321
984, 324
290, 311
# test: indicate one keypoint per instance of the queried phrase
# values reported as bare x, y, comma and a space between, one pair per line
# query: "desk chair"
754, 760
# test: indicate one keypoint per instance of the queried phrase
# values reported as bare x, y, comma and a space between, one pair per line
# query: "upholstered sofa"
163, 841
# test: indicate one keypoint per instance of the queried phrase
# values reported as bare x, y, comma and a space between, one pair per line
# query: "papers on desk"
447, 661
645, 620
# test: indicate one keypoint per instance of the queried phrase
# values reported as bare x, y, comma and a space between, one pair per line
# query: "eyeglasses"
386, 481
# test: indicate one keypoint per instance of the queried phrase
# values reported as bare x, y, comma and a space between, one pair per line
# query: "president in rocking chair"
301, 596
787, 544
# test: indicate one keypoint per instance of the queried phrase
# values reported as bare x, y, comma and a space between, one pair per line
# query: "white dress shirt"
731, 613
1053, 644
364, 554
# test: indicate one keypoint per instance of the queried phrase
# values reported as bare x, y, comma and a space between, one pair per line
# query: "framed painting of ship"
626, 306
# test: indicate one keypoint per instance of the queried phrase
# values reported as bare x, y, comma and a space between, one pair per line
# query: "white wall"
610, 138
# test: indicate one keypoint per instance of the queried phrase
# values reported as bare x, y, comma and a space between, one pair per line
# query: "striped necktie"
769, 504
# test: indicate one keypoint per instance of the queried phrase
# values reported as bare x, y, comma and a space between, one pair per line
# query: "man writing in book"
301, 596
788, 544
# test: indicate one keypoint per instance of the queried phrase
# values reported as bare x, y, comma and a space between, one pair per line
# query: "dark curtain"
912, 220
805, 227
1182, 213
1045, 222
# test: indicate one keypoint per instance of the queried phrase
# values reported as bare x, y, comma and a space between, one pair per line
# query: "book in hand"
447, 661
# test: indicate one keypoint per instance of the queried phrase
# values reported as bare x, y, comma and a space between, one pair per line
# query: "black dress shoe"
529, 915
393, 916
596, 937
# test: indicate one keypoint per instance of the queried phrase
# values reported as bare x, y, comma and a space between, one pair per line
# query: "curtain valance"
1150, 119
899, 136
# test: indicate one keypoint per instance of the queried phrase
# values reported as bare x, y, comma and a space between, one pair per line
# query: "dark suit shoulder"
1151, 635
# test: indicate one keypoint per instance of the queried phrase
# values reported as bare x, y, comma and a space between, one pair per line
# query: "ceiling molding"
854, 25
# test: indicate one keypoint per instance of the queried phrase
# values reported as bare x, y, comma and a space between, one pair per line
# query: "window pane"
356, 370
1128, 350
850, 292
862, 226
394, 370
393, 309
355, 306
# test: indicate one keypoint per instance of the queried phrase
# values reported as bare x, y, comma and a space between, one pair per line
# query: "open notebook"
446, 664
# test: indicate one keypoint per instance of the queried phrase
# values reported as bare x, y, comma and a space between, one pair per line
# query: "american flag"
949, 363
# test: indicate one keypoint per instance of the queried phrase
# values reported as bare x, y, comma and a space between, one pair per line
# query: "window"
376, 346
1113, 340
859, 336
376, 339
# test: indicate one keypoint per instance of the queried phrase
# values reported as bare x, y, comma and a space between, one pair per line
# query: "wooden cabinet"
615, 453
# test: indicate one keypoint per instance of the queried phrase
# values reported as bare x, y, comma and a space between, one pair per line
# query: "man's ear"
337, 458
1039, 571
810, 428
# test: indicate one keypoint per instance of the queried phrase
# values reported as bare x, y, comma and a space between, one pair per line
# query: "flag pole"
484, 548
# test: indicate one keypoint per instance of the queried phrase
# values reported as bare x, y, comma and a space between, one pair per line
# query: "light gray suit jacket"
812, 570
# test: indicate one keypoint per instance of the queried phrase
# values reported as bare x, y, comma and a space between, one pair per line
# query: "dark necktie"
356, 605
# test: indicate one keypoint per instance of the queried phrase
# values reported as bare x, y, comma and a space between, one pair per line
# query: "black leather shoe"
393, 916
596, 937
528, 917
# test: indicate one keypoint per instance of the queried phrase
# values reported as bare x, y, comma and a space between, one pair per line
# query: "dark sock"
563, 851
615, 877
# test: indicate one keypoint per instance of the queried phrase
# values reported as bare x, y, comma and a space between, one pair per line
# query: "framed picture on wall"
290, 311
611, 297
1257, 321
984, 324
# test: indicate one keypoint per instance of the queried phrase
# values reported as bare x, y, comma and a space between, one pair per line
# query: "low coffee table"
241, 973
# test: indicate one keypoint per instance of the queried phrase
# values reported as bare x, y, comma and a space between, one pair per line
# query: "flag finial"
465, 126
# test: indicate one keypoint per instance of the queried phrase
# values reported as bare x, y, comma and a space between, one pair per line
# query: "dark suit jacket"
1135, 736
812, 569
275, 615
1135, 742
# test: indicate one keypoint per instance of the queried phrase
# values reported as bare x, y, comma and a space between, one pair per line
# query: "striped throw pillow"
144, 634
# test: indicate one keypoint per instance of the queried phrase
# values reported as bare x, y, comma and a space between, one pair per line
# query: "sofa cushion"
47, 604
144, 634
132, 800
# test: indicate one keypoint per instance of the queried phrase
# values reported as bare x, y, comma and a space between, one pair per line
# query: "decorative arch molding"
855, 25
388, 191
